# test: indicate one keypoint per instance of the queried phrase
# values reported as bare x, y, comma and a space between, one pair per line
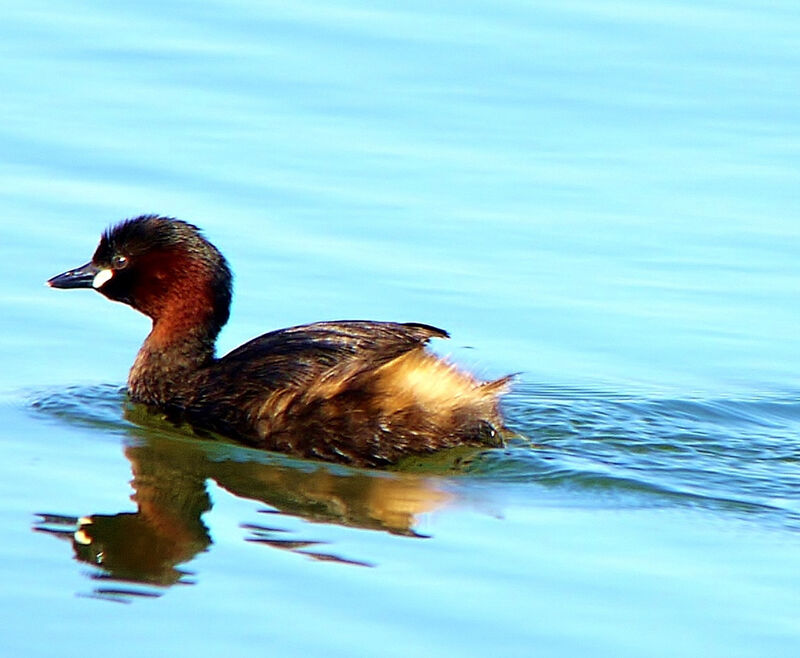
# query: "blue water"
601, 196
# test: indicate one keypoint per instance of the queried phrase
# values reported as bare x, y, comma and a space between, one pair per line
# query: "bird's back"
364, 393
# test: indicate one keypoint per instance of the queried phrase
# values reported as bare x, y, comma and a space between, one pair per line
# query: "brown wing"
358, 392
296, 361
298, 355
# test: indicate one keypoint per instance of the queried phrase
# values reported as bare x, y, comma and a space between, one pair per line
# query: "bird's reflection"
170, 475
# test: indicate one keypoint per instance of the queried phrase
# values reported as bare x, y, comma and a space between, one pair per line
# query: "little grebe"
362, 393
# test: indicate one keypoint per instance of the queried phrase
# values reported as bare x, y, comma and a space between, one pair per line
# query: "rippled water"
600, 196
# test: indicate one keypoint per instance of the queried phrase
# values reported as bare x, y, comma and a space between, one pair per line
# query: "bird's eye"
119, 262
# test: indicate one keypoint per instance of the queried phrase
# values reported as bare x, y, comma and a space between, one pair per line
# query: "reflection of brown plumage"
355, 392
169, 478
169, 482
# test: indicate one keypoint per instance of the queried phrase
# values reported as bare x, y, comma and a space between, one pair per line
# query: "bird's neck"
179, 345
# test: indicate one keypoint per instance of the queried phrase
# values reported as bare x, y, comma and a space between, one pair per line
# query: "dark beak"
81, 277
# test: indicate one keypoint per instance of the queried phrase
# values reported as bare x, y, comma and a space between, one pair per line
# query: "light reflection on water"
618, 452
599, 195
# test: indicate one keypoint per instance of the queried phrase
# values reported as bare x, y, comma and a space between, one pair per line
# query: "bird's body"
356, 392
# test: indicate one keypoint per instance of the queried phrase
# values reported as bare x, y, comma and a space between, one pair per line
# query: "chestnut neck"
186, 321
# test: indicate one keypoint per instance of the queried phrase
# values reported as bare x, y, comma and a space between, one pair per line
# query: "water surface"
600, 196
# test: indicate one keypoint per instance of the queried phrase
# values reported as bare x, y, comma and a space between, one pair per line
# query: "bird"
362, 393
